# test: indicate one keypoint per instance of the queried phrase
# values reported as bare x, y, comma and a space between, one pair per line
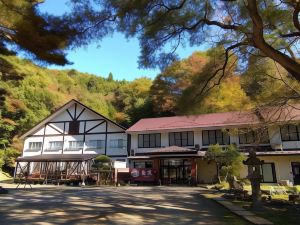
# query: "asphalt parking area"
111, 205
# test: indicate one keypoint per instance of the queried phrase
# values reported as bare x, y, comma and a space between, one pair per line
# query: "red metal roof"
216, 119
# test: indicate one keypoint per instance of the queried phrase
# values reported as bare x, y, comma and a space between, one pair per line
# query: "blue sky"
115, 54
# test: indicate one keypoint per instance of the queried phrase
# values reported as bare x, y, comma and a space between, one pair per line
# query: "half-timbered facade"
74, 131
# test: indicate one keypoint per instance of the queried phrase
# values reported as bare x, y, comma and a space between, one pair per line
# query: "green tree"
267, 83
43, 36
102, 162
228, 160
268, 28
110, 77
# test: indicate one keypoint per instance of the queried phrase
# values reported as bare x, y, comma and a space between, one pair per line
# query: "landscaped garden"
275, 204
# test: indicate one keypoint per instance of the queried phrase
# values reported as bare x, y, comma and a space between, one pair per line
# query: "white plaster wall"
283, 166
46, 144
72, 138
88, 115
26, 146
113, 128
64, 116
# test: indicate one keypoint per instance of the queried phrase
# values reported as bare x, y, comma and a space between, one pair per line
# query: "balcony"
56, 149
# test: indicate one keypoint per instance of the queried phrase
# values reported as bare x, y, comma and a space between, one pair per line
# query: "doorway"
175, 171
296, 172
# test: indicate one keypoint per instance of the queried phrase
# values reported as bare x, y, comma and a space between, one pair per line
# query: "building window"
35, 145
55, 145
181, 138
247, 136
211, 137
149, 140
117, 143
142, 164
75, 145
290, 132
268, 173
96, 144
74, 127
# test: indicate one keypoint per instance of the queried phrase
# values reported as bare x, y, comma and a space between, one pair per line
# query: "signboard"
142, 174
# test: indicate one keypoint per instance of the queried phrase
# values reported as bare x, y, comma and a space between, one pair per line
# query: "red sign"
142, 174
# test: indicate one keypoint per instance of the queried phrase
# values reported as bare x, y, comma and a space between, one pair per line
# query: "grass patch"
5, 176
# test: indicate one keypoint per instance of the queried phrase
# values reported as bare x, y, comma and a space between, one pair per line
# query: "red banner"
142, 174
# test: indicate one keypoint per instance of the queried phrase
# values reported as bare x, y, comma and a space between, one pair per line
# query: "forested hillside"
29, 92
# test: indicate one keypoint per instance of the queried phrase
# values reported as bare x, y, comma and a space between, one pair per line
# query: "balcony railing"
73, 149
53, 149
33, 149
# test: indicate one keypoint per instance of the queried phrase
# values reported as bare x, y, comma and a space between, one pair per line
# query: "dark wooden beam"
95, 126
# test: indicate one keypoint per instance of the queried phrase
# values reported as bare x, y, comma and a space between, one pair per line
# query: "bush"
8, 157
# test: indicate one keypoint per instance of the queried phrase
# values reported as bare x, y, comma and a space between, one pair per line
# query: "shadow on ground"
109, 205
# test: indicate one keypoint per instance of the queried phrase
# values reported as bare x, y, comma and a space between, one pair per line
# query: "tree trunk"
259, 42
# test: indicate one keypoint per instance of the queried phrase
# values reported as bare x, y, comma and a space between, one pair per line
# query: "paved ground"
110, 205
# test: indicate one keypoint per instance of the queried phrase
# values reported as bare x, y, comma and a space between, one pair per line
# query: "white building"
74, 132
175, 146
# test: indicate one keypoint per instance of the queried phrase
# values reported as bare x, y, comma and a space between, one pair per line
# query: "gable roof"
60, 110
225, 119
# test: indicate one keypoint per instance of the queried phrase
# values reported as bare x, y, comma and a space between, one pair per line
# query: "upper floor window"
117, 143
55, 145
142, 164
185, 138
75, 145
290, 132
248, 136
96, 144
74, 127
35, 145
211, 137
149, 140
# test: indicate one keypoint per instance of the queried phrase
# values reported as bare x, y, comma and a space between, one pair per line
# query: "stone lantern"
254, 175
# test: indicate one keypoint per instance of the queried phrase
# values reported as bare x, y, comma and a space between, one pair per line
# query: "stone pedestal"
254, 175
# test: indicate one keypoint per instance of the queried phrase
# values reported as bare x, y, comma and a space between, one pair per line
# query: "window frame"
254, 135
157, 141
288, 134
76, 147
118, 140
102, 144
181, 139
35, 142
215, 137
273, 173
55, 147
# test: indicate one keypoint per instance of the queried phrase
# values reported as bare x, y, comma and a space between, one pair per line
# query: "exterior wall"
207, 171
91, 127
275, 141
282, 164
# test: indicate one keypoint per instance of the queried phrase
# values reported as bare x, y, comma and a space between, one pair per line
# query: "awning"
57, 158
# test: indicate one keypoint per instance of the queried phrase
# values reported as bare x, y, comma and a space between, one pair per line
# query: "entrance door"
175, 171
296, 172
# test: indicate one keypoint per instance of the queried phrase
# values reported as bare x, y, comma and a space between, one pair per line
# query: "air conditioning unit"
132, 153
